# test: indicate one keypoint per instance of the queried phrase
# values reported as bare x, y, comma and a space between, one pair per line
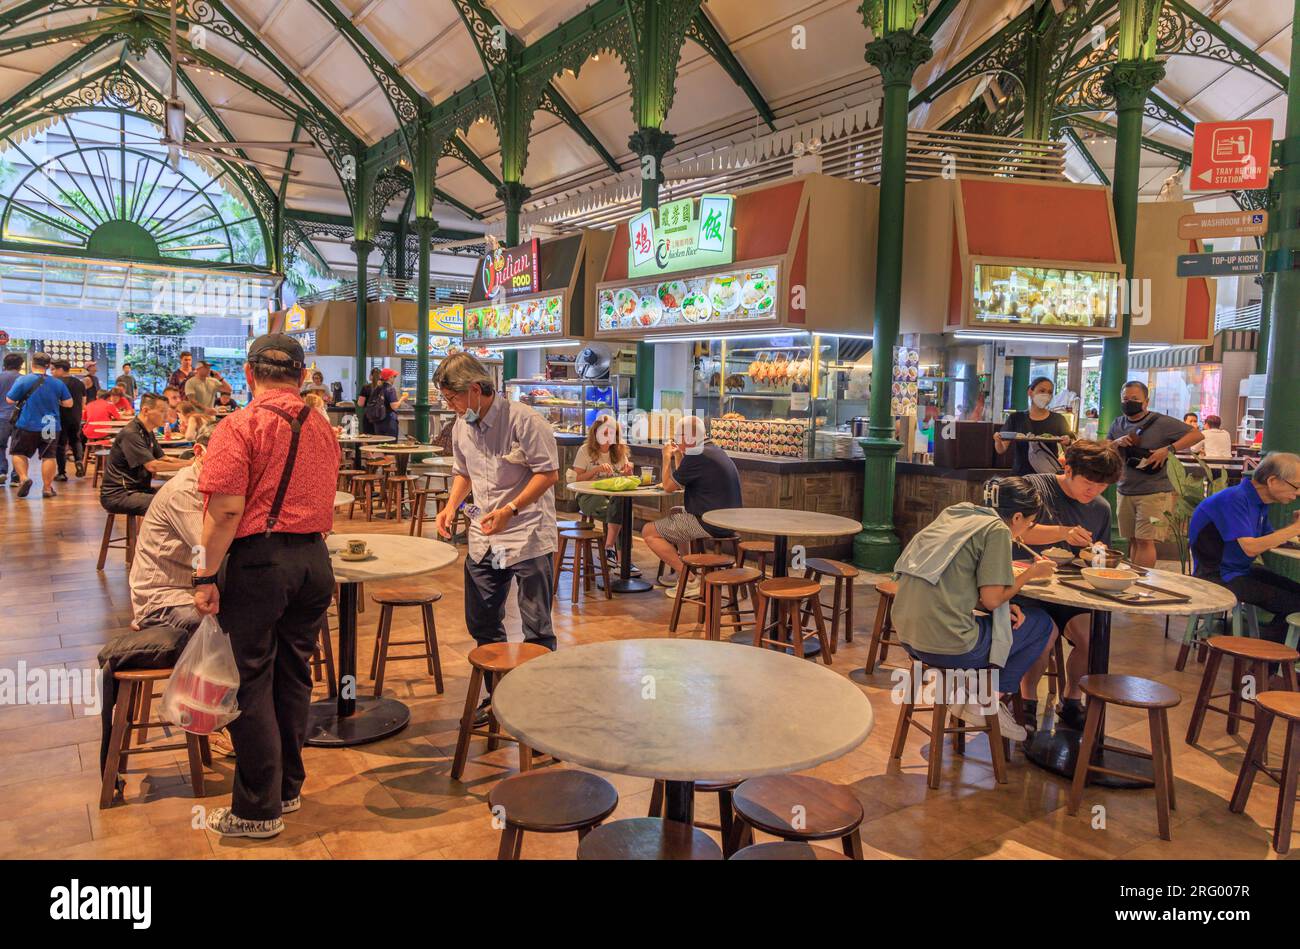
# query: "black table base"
679, 801
347, 720
625, 582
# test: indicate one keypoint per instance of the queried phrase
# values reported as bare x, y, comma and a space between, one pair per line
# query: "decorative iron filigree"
1179, 34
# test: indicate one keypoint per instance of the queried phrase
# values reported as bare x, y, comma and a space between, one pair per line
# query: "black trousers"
122, 501
486, 589
276, 590
1271, 591
70, 440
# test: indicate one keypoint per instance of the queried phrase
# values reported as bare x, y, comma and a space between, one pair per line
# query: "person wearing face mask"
1031, 457
505, 453
1145, 439
1231, 528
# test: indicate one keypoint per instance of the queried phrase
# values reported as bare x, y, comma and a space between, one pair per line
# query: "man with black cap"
268, 478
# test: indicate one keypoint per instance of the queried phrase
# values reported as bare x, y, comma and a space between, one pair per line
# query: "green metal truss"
1073, 136
703, 31
1185, 31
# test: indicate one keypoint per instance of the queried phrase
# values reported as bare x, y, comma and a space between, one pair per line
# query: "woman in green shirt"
961, 562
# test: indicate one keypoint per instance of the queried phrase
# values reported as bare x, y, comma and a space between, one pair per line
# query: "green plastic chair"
1203, 625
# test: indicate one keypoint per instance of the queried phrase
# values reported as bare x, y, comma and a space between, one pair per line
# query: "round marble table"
1058, 749
403, 453
624, 582
358, 442
349, 720
781, 524
1292, 552
342, 497
682, 710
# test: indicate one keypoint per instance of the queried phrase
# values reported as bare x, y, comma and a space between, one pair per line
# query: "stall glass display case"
570, 405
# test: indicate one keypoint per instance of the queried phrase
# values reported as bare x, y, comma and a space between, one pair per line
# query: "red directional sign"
1231, 155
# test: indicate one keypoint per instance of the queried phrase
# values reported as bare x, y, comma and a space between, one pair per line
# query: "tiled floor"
395, 798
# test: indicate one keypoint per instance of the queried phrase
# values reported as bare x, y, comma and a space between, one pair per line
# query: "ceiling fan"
174, 122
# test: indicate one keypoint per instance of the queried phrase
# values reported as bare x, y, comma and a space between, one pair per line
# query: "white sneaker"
291, 805
222, 821
692, 589
972, 713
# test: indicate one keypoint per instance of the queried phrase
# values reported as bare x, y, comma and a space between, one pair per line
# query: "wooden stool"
587, 553
1270, 705
648, 838
131, 688
760, 550
1131, 692
1245, 620
937, 729
786, 850
323, 657
722, 591
842, 599
493, 660
715, 545
694, 565
825, 811
379, 660
369, 486
549, 802
1054, 673
1293, 630
124, 542
1255, 654
419, 503
397, 492
726, 813
883, 634
789, 597
345, 478
101, 459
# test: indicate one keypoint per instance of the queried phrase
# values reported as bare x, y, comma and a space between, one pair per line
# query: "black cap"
280, 343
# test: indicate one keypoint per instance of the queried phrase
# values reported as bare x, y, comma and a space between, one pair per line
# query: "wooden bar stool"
883, 634
723, 590
786, 850
492, 661
365, 488
648, 838
101, 459
383, 634
132, 685
938, 727
587, 553
1200, 627
842, 598
1271, 705
726, 813
799, 808
695, 565
124, 542
760, 550
788, 598
1247, 654
715, 545
549, 802
1131, 692
398, 490
420, 503
322, 660
345, 478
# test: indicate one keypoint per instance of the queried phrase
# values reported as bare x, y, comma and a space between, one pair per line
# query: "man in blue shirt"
1230, 529
37, 426
12, 372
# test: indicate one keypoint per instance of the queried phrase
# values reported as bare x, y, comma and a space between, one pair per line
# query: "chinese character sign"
641, 231
715, 222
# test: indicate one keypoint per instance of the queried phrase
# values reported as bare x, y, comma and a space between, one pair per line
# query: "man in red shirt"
268, 478
99, 410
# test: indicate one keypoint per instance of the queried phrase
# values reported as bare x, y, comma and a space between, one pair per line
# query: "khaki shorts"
1142, 516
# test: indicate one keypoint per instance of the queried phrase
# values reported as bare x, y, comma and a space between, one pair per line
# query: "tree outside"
159, 352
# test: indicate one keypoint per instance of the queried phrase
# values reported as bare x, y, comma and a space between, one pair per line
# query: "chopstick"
1033, 553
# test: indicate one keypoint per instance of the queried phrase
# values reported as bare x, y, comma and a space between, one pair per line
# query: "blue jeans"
1028, 643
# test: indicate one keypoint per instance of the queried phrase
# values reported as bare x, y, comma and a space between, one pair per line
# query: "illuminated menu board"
1047, 297
542, 316
728, 297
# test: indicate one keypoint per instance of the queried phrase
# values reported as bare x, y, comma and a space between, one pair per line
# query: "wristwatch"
511, 505
200, 581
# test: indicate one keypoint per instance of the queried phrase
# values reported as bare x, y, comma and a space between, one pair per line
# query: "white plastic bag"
200, 695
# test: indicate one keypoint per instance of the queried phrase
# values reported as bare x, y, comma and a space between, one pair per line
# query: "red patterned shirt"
248, 452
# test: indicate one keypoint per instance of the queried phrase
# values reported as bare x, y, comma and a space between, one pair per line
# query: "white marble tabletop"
366, 439
342, 497
409, 449
1292, 552
649, 491
395, 556
682, 709
779, 522
435, 462
1206, 597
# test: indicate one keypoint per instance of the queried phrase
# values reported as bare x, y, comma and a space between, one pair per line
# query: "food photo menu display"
543, 316
729, 297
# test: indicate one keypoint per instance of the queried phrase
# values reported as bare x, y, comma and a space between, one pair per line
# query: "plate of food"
625, 303
648, 312
671, 294
756, 292
696, 307
1059, 555
724, 294
1020, 566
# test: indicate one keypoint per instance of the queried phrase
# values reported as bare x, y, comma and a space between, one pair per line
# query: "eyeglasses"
1294, 487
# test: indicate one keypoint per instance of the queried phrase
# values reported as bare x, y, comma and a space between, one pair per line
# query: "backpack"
377, 404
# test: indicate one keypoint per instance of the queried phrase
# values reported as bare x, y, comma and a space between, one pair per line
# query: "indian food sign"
685, 237
511, 270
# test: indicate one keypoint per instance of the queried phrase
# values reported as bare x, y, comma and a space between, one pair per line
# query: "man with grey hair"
505, 453
709, 478
1230, 529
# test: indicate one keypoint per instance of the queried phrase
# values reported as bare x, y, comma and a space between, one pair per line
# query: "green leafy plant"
163, 339
1190, 489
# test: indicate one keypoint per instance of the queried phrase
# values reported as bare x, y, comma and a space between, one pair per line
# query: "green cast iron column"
424, 228
1282, 401
513, 194
896, 54
1266, 297
1020, 383
362, 249
652, 144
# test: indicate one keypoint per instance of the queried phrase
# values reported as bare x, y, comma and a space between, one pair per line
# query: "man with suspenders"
268, 478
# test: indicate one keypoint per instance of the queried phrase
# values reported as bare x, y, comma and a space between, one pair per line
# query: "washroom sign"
686, 237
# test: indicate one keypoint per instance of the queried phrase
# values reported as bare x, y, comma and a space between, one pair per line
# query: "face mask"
1042, 400
1132, 407
471, 415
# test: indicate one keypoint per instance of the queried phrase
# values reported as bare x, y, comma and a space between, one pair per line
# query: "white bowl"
1059, 555
1106, 578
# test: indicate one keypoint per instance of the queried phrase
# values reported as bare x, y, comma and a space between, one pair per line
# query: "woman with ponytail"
961, 562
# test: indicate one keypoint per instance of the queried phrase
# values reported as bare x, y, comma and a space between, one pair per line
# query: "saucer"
356, 558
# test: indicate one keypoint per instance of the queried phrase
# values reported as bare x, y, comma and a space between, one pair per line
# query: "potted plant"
1190, 489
